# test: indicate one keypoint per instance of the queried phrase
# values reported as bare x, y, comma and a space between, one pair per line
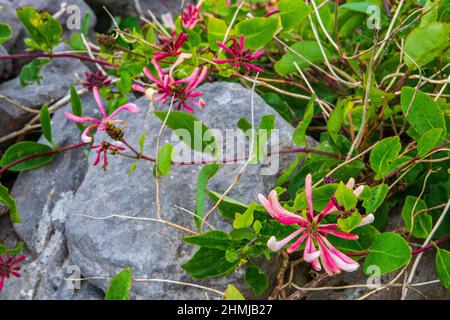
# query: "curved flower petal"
297, 243
275, 245
99, 155
344, 262
282, 213
308, 189
130, 107
340, 234
85, 135
138, 88
273, 213
310, 254
77, 119
98, 98
329, 264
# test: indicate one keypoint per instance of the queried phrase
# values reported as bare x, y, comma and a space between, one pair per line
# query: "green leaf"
10, 202
266, 125
191, 125
142, 141
423, 113
383, 155
120, 286
30, 73
228, 206
443, 267
45, 31
46, 123
212, 239
76, 105
357, 7
245, 219
256, 279
206, 173
216, 32
423, 222
257, 31
299, 135
257, 226
293, 13
345, 197
425, 44
25, 149
377, 195
208, 262
351, 222
308, 50
5, 33
389, 251
335, 120
244, 125
428, 141
165, 159
232, 293
431, 15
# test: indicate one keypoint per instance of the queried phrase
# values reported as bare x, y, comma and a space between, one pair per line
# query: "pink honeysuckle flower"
240, 57
103, 123
102, 150
191, 15
170, 47
312, 232
183, 90
9, 267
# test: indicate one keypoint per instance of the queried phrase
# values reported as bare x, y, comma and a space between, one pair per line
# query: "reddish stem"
57, 55
42, 154
443, 239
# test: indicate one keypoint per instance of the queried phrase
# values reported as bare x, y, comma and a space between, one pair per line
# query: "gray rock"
57, 77
42, 196
5, 65
126, 7
151, 249
8, 16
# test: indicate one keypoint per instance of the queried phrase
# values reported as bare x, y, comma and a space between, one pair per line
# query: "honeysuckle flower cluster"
240, 57
184, 91
107, 123
318, 250
170, 46
9, 267
191, 15
98, 79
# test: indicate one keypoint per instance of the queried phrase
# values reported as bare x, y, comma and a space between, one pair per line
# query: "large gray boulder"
57, 77
151, 249
42, 196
